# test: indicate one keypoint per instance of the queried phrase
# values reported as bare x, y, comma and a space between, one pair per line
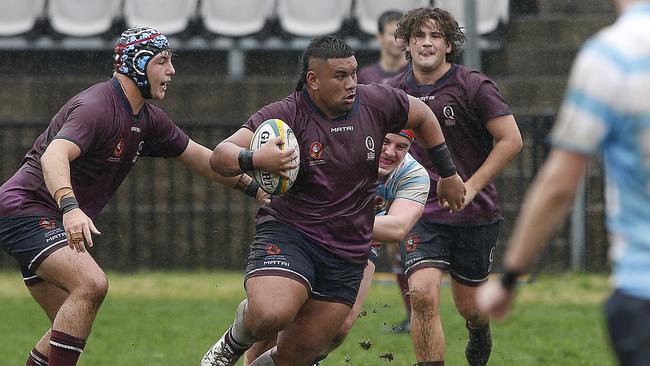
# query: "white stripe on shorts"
44, 250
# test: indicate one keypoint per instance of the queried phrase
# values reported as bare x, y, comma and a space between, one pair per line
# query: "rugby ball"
269, 129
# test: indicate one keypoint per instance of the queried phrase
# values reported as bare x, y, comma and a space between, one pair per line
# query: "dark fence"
164, 217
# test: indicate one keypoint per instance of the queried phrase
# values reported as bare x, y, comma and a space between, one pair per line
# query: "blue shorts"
466, 251
30, 239
629, 328
281, 250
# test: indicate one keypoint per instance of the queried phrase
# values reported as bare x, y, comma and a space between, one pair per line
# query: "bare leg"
479, 343
426, 326
50, 298
311, 332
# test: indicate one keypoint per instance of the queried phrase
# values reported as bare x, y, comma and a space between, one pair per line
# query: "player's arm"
232, 156
398, 222
55, 163
423, 122
197, 158
508, 144
545, 207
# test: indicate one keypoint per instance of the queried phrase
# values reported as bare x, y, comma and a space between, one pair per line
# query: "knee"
424, 297
343, 333
265, 321
471, 313
94, 288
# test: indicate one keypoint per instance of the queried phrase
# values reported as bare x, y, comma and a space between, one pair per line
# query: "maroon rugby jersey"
376, 74
101, 122
332, 198
463, 100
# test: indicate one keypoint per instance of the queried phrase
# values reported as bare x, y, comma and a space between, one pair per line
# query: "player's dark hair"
413, 20
388, 17
324, 48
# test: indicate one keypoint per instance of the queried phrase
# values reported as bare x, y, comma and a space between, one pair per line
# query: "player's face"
160, 71
393, 151
335, 84
387, 40
428, 47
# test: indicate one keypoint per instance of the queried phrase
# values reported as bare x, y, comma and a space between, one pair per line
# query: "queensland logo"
46, 223
272, 249
448, 112
370, 145
411, 243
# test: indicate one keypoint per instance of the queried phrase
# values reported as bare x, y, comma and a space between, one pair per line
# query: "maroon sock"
65, 349
403, 283
36, 359
431, 363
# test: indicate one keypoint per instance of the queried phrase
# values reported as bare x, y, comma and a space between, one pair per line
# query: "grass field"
170, 319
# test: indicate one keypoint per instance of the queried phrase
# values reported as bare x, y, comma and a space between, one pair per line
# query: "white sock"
239, 333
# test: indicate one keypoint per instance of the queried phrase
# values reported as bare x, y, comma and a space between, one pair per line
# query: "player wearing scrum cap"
69, 175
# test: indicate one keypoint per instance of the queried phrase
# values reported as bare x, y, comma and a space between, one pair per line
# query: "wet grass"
165, 319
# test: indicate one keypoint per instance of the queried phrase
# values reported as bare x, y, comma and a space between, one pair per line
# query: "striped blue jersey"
607, 111
409, 180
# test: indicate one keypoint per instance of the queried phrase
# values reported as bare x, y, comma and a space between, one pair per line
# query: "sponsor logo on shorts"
47, 223
273, 249
411, 243
276, 263
56, 237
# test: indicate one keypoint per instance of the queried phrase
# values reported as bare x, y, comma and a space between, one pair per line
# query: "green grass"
165, 319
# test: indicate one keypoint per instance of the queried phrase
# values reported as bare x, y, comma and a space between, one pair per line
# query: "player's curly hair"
413, 20
324, 48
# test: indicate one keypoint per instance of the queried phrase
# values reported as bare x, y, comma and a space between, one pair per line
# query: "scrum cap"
133, 51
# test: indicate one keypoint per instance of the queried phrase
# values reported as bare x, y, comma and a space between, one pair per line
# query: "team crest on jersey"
380, 203
116, 154
370, 145
411, 243
448, 112
47, 223
273, 249
316, 153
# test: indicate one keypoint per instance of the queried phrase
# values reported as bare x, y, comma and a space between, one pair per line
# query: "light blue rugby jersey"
409, 181
607, 111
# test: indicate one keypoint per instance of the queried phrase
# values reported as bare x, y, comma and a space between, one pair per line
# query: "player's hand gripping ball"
269, 129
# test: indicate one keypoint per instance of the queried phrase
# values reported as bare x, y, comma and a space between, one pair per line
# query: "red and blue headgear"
133, 51
409, 134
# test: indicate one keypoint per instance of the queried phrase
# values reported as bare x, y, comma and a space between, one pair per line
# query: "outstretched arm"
508, 144
546, 205
197, 158
398, 222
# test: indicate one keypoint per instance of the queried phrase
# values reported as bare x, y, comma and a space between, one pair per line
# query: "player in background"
391, 55
69, 175
312, 243
605, 112
399, 203
392, 61
483, 138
